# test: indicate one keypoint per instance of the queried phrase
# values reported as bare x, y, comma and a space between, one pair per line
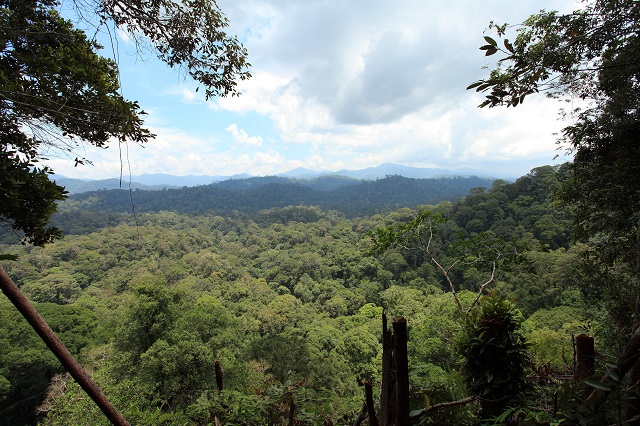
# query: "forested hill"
289, 300
353, 198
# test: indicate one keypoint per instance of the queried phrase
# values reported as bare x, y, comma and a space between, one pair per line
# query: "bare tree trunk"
394, 395
361, 415
219, 375
59, 350
636, 318
585, 357
387, 403
634, 374
402, 371
634, 370
371, 409
292, 412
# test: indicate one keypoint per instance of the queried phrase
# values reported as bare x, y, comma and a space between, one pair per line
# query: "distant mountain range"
165, 181
352, 197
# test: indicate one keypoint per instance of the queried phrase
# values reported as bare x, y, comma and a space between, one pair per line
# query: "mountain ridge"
159, 181
352, 197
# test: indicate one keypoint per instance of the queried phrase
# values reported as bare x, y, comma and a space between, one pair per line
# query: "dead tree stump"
219, 375
394, 395
585, 357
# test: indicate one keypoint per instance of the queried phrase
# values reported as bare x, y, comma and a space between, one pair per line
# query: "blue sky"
337, 84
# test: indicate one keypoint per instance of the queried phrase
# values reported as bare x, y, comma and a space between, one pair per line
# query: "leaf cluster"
560, 54
188, 34
495, 353
55, 93
591, 57
289, 293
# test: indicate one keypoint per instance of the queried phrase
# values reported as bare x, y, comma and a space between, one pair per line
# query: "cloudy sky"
337, 84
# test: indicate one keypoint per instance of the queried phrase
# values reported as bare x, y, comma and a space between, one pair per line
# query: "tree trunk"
636, 318
219, 375
59, 350
387, 406
585, 357
634, 371
402, 371
371, 409
292, 412
394, 395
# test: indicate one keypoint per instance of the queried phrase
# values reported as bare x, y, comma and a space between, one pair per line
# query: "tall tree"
58, 93
593, 56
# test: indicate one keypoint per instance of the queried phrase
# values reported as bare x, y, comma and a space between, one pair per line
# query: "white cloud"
384, 83
344, 85
242, 138
125, 36
188, 96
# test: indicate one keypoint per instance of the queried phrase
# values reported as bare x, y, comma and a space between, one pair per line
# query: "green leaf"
489, 376
508, 45
491, 51
416, 413
8, 257
597, 385
491, 41
476, 84
502, 417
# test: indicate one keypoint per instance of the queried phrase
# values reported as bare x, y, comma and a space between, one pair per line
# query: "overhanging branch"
56, 346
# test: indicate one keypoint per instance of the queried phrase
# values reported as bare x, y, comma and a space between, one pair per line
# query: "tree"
57, 93
495, 354
590, 55
54, 90
593, 56
483, 250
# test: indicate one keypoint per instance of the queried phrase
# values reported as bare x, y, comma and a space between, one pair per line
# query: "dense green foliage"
495, 354
353, 197
591, 57
277, 282
56, 85
57, 93
289, 301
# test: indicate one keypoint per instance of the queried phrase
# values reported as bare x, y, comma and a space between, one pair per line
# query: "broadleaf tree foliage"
58, 93
153, 303
484, 250
590, 57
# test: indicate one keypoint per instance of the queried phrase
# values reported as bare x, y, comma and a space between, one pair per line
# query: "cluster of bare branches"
419, 235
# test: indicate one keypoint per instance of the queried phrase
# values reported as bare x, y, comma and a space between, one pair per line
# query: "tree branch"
489, 281
443, 405
455, 403
59, 350
446, 275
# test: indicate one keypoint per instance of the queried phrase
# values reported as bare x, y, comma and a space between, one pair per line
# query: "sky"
337, 84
